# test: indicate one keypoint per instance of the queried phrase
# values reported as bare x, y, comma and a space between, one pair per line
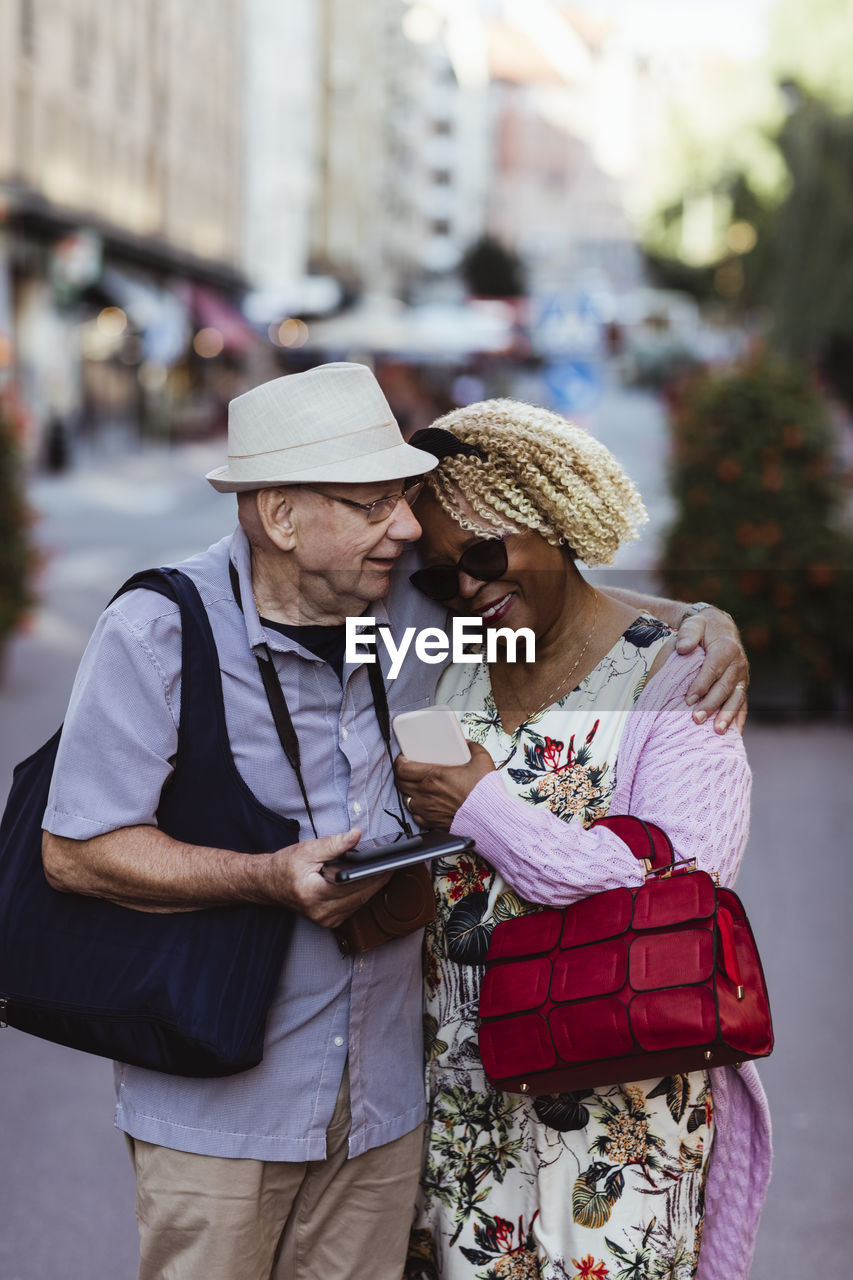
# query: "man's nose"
404, 527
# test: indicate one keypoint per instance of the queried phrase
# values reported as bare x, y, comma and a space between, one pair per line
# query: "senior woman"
651, 1178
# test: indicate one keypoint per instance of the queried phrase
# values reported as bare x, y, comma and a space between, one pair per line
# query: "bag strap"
648, 843
383, 715
287, 735
201, 683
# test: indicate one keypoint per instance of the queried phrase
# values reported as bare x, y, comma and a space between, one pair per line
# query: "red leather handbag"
624, 985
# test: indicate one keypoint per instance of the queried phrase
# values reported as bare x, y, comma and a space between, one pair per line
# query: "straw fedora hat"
329, 423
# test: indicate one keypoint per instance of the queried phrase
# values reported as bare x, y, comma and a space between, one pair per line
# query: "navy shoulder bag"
186, 993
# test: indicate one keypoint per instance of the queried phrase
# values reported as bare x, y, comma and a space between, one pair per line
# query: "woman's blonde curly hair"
540, 473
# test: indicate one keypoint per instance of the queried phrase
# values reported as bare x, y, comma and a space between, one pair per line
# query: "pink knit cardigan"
695, 784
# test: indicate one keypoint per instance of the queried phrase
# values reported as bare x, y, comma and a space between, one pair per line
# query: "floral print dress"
606, 1184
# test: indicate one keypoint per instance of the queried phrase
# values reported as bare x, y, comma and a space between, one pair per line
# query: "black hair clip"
444, 444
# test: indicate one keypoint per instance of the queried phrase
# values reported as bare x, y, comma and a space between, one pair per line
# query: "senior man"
307, 1165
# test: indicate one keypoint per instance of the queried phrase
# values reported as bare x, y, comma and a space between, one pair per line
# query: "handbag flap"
591, 1029
660, 903
603, 915
674, 1018
528, 935
515, 986
516, 1046
598, 969
671, 959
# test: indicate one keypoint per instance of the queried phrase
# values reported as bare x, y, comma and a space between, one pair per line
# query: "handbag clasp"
674, 869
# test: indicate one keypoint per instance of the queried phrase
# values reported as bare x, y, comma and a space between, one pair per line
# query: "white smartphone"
432, 735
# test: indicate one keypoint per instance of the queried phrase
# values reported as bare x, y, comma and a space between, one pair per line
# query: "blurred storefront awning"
159, 314
31, 216
438, 331
210, 310
309, 297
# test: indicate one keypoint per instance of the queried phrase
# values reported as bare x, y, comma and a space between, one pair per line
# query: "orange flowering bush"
759, 528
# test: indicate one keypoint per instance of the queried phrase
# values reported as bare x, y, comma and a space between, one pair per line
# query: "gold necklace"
552, 696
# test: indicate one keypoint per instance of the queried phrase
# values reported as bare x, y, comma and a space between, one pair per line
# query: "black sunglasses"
486, 561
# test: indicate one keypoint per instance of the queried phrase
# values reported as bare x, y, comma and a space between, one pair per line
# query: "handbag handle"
653, 847
648, 843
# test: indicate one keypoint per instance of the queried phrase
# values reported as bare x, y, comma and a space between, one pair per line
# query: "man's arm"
721, 683
143, 868
117, 751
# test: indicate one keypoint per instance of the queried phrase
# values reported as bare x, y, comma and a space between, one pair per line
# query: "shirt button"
344, 733
356, 807
339, 1041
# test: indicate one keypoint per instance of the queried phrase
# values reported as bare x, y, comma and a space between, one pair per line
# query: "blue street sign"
573, 386
566, 324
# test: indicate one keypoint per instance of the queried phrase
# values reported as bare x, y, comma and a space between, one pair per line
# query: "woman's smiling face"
532, 591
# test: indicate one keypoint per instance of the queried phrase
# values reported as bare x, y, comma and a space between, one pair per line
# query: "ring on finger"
741, 686
408, 802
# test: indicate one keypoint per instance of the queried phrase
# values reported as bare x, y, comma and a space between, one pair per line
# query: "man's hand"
721, 683
295, 880
434, 792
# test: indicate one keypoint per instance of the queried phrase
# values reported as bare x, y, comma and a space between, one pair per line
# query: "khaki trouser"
212, 1218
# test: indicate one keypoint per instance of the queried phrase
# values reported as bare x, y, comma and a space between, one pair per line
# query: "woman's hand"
433, 792
720, 685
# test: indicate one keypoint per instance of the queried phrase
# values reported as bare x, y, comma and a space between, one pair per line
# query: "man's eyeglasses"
382, 508
486, 561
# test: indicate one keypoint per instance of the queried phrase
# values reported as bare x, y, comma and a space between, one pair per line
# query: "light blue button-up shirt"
117, 749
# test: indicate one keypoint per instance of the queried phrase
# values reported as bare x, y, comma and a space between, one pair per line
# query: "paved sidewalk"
796, 885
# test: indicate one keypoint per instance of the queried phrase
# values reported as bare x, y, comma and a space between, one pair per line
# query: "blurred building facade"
126, 113
451, 142
559, 196
281, 116
386, 120
162, 167
120, 169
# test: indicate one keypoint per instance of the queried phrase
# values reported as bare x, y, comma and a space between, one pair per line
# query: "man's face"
342, 558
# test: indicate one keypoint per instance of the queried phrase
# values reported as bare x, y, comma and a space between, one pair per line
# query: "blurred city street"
637, 214
66, 1187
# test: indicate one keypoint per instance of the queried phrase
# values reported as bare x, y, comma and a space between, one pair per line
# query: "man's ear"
277, 517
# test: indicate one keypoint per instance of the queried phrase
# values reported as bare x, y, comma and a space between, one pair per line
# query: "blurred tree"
758, 530
16, 555
811, 43
778, 234
791, 257
810, 286
490, 270
740, 272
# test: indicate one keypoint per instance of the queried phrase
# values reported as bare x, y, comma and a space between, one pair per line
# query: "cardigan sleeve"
689, 780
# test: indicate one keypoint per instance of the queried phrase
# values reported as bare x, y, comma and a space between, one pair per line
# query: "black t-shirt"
328, 643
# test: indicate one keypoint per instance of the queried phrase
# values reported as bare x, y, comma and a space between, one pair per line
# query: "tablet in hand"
358, 864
